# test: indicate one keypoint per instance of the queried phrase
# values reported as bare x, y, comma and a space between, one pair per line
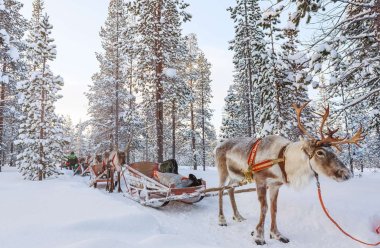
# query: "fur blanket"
177, 180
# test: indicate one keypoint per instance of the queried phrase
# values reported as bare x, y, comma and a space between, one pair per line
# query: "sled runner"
143, 188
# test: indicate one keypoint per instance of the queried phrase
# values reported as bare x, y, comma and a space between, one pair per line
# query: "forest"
152, 91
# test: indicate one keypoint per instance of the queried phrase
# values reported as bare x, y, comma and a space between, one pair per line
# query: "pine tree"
109, 96
293, 88
231, 121
12, 28
159, 26
192, 77
270, 85
40, 134
203, 111
248, 48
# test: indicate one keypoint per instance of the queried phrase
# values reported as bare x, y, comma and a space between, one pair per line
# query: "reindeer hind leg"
222, 219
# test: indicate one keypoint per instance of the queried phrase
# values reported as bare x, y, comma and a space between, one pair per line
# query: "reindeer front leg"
258, 234
274, 233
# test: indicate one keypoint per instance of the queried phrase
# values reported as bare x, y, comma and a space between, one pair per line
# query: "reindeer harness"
254, 168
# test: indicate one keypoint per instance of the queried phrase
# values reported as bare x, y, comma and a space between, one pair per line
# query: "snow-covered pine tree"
109, 95
132, 123
192, 77
12, 28
293, 88
203, 96
40, 134
231, 121
69, 133
248, 47
179, 96
270, 83
159, 28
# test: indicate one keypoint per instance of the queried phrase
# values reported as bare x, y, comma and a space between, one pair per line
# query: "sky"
76, 26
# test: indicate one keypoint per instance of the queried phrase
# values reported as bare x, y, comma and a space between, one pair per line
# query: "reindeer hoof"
222, 221
238, 218
260, 242
280, 238
284, 240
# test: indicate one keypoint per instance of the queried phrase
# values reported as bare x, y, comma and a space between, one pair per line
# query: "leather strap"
281, 163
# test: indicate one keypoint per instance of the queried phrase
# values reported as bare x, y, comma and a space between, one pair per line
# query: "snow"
66, 213
4, 79
290, 25
13, 53
2, 6
4, 35
170, 72
317, 67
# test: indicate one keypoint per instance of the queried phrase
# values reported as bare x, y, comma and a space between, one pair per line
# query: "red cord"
337, 225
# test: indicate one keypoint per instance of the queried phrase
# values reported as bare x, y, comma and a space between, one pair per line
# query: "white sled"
143, 188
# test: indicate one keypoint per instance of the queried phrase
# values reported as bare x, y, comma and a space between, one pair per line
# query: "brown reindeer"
117, 159
299, 161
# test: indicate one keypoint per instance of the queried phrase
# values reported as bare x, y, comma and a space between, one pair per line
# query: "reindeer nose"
343, 174
346, 174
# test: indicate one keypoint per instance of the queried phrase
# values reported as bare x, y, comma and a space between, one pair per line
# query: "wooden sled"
100, 175
143, 188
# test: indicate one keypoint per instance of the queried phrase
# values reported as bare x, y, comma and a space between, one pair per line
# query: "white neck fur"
296, 166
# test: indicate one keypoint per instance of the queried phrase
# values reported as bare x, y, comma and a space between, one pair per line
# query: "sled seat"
146, 168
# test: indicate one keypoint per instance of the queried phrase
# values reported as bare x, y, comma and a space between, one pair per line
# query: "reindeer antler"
298, 110
358, 136
329, 139
323, 122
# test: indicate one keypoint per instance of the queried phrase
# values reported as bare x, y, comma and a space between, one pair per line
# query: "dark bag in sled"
169, 166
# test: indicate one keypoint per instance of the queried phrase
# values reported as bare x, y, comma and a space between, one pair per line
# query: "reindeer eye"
320, 153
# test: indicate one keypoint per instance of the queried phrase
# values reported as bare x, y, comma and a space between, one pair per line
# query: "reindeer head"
121, 157
322, 157
98, 158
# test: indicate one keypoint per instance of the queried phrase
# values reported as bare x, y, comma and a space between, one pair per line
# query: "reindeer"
115, 160
293, 163
92, 160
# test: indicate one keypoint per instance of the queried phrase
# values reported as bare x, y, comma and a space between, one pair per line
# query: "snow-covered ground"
66, 213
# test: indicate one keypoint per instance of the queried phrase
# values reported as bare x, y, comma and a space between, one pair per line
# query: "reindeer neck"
296, 165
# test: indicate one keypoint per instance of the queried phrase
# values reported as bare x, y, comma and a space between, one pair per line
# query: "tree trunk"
203, 126
159, 87
130, 108
11, 159
146, 140
42, 120
193, 136
251, 113
2, 109
117, 83
277, 86
350, 158
377, 19
173, 127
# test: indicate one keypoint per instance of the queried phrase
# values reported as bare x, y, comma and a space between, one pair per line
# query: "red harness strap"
262, 165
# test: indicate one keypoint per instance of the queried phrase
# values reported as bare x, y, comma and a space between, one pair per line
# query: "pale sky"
76, 26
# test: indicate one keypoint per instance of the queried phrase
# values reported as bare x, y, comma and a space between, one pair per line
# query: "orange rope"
336, 224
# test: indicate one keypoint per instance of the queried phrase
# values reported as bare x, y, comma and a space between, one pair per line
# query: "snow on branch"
362, 98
